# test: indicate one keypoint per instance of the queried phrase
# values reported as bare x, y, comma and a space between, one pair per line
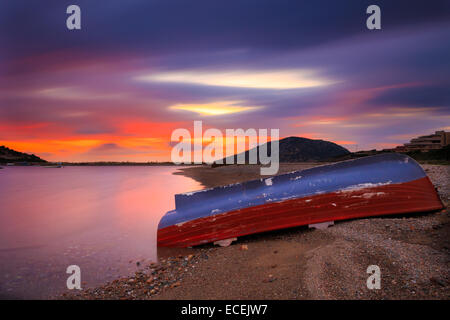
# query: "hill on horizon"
10, 155
298, 149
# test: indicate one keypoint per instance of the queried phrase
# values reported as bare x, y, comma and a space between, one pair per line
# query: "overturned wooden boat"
371, 186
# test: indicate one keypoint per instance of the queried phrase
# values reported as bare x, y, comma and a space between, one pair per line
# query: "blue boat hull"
378, 185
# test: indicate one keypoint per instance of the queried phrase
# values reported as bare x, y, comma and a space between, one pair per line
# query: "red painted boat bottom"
415, 196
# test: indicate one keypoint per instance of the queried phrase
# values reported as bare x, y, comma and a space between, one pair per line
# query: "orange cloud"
138, 140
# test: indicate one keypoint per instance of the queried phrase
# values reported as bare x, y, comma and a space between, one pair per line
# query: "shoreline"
413, 252
220, 176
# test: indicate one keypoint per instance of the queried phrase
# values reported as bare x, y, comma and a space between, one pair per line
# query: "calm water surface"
103, 219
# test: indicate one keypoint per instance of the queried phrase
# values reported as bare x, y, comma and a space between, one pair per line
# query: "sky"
139, 69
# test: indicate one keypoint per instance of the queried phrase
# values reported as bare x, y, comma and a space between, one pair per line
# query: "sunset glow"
109, 92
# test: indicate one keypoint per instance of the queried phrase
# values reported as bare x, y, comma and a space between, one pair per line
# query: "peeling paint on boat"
369, 195
364, 186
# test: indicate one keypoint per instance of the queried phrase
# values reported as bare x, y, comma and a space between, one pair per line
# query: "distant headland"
8, 155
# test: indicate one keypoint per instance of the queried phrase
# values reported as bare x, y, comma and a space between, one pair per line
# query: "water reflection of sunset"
99, 217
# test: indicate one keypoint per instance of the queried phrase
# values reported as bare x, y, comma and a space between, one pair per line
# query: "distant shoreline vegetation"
122, 163
9, 156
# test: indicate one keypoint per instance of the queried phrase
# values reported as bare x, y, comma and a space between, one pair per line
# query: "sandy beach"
412, 252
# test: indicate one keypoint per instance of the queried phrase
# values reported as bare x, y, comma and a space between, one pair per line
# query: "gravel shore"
412, 251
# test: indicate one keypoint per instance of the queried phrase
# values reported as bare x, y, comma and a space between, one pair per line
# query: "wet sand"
220, 176
412, 251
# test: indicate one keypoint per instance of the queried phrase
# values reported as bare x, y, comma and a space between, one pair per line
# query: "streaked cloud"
216, 108
275, 79
74, 93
